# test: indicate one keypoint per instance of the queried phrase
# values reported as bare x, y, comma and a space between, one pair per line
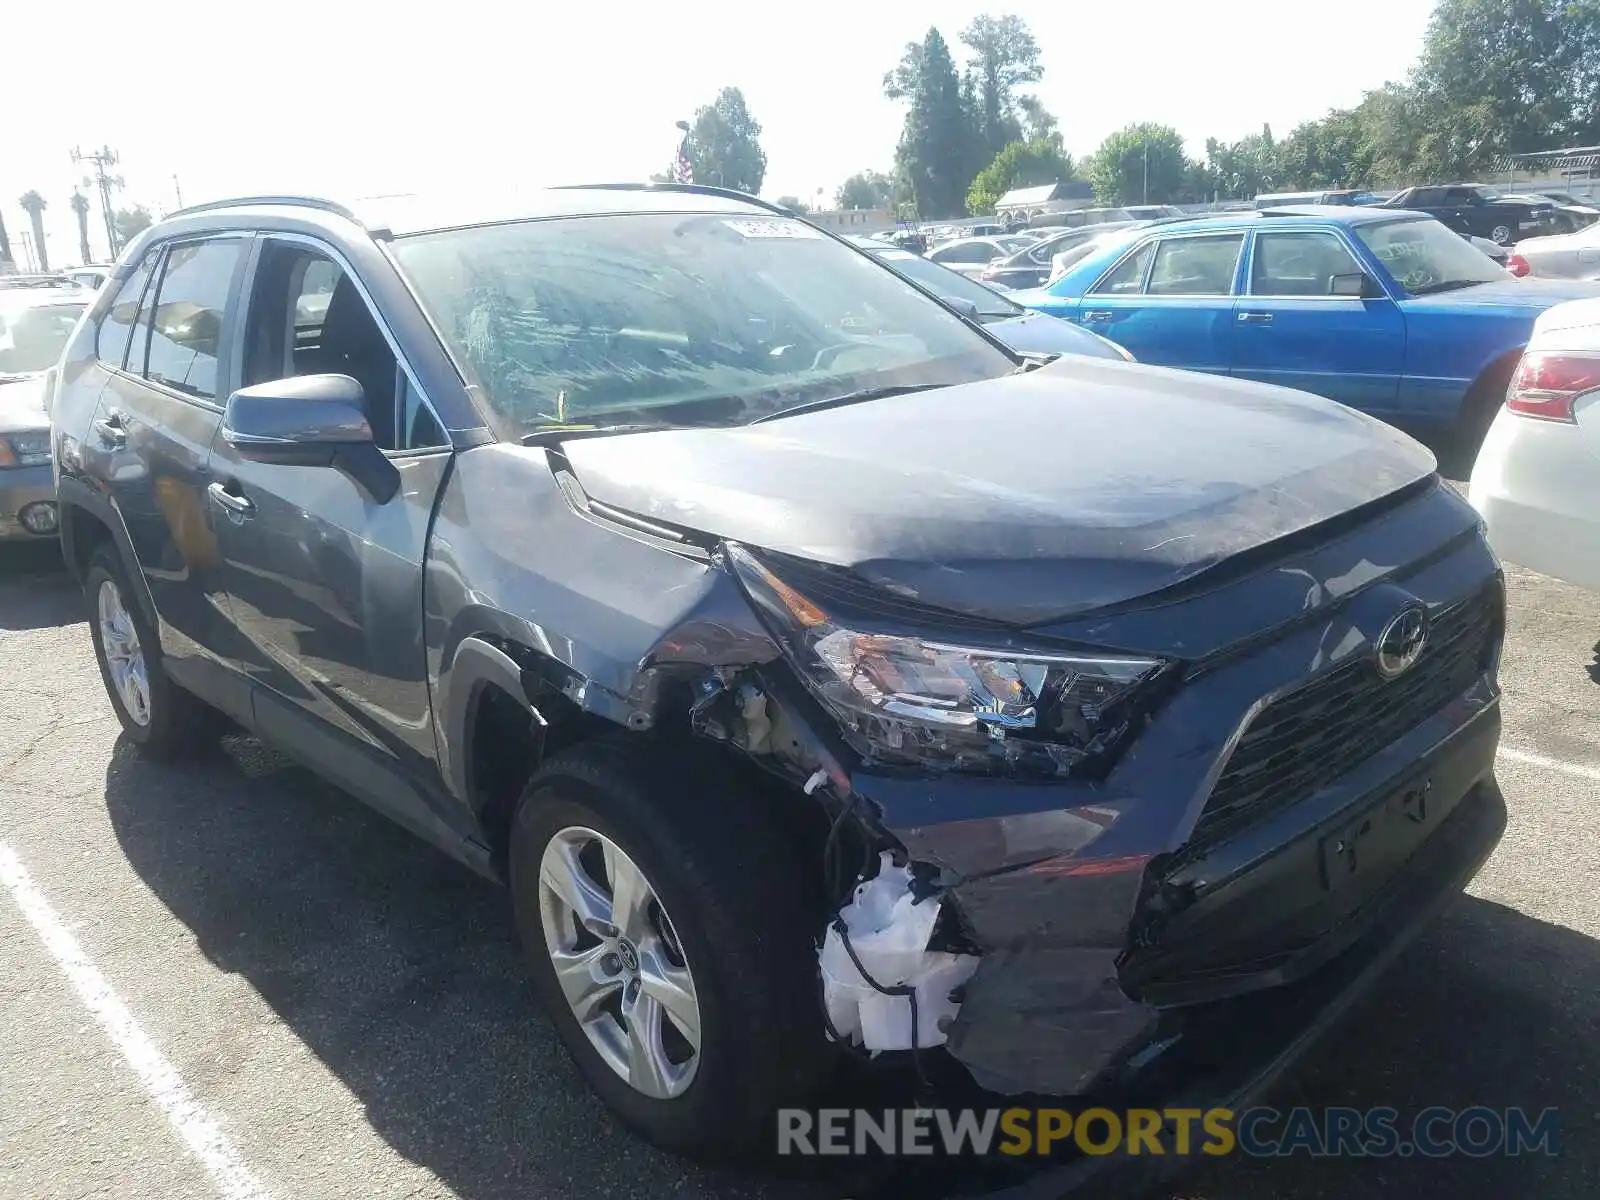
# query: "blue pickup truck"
1386, 311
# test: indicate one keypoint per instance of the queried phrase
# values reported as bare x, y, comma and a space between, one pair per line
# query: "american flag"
682, 168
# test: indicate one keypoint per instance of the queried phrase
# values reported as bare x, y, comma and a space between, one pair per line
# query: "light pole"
682, 167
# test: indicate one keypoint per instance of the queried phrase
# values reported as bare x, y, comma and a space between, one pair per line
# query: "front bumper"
1230, 1055
21, 487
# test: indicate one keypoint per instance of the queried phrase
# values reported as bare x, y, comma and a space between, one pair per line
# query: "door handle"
237, 507
1255, 318
111, 430
1099, 314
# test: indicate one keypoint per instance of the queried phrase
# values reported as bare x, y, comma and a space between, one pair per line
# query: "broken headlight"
931, 703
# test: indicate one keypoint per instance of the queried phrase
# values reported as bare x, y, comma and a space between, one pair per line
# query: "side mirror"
309, 421
1356, 284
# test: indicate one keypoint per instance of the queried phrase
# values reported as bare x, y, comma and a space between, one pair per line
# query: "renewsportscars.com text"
1436, 1132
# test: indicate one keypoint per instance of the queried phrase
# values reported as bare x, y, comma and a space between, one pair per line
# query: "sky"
347, 99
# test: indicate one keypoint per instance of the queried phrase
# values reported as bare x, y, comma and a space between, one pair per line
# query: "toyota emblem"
1401, 642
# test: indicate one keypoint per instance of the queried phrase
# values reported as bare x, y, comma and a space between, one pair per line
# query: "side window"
111, 340
307, 317
1195, 266
971, 252
1127, 277
192, 301
1298, 264
1426, 197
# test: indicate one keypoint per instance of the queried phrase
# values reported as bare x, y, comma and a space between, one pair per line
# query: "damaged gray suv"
814, 671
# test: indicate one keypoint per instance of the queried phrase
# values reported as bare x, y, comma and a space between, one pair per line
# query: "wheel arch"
88, 520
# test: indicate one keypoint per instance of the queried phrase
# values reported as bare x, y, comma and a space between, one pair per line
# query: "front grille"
1309, 737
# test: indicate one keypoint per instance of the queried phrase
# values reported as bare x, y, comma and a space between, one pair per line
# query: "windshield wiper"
550, 434
856, 397
1449, 285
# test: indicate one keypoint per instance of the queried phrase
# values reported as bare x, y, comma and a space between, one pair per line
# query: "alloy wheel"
125, 662
619, 962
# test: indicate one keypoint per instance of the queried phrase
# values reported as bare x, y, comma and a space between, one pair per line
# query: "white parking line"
1551, 764
198, 1129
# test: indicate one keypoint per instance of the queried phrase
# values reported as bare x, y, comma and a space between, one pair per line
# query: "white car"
971, 255
1537, 479
1562, 256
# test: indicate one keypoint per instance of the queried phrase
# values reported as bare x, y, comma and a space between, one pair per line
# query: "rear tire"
156, 714
744, 907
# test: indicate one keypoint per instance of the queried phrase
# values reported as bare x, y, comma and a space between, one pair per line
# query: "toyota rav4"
815, 671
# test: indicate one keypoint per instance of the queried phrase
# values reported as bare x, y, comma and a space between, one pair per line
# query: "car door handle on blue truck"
1099, 314
1255, 318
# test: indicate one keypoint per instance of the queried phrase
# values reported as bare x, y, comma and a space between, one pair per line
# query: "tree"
1021, 164
936, 142
1245, 168
724, 144
1505, 76
80, 209
131, 222
1037, 121
33, 204
5, 242
1005, 56
865, 189
1140, 164
794, 204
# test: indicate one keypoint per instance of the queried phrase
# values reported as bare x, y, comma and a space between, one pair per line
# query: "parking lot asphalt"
228, 979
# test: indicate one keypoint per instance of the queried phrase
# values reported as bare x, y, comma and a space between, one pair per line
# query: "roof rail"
693, 189
287, 201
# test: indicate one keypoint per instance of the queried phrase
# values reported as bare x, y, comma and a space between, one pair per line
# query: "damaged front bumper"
1230, 1054
1080, 992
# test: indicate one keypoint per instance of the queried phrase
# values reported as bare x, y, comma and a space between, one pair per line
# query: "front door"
1171, 302
1291, 329
151, 437
324, 581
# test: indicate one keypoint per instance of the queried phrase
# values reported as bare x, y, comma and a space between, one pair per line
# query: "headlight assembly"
935, 703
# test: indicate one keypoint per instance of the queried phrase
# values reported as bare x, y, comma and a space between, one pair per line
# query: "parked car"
35, 323
1478, 210
685, 609
1535, 481
1563, 256
1569, 216
1387, 312
971, 255
23, 282
1025, 331
90, 276
1029, 267
1340, 196
1500, 254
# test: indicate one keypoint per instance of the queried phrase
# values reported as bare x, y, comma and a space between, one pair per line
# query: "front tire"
668, 923
1500, 235
156, 714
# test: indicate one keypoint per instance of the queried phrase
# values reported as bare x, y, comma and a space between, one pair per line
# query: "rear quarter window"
111, 339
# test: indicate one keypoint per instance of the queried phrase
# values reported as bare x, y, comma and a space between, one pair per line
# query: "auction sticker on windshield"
772, 229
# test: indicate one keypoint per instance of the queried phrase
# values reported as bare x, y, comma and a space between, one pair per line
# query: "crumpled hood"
1532, 295
22, 404
1021, 499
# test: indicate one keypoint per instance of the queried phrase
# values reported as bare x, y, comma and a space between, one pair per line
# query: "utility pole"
1146, 199
177, 190
103, 158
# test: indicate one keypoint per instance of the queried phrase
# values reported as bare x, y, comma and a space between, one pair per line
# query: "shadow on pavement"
398, 969
35, 590
1492, 1008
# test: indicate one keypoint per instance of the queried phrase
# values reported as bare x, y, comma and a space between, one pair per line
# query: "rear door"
1170, 301
325, 582
1291, 330
151, 438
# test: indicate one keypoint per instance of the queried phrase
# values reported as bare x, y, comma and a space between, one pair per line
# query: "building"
853, 220
1021, 203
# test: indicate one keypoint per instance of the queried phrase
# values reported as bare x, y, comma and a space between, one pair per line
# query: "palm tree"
5, 242
33, 204
80, 209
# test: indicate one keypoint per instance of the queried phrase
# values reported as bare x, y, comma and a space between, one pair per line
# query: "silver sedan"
1561, 256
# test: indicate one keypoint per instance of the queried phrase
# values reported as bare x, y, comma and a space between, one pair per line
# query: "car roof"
1332, 214
402, 215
